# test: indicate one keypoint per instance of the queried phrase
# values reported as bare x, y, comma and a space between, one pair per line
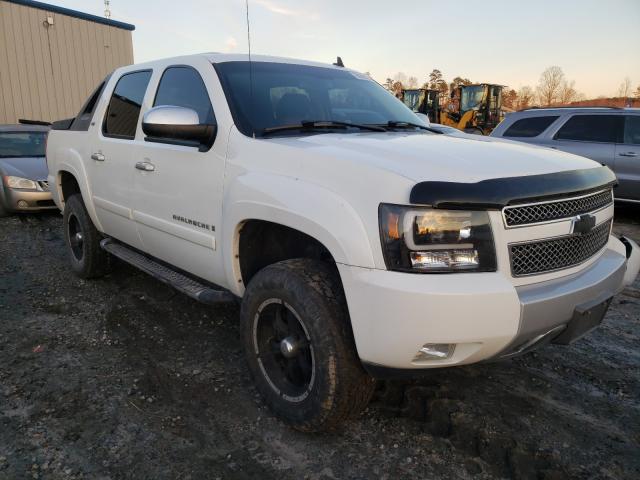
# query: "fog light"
445, 259
22, 204
435, 351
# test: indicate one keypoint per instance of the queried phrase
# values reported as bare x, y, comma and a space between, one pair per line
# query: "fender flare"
73, 165
306, 207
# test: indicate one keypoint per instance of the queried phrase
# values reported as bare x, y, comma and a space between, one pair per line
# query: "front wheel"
299, 345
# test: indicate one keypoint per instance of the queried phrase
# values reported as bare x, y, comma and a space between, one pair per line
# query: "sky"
595, 42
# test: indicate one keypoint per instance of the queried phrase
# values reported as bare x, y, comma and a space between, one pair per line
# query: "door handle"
98, 157
628, 154
145, 166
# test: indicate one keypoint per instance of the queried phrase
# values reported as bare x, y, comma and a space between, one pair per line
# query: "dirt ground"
124, 378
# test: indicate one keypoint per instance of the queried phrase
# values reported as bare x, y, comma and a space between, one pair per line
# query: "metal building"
51, 58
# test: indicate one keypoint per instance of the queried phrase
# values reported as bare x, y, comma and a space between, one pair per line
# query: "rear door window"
121, 118
530, 126
632, 129
592, 128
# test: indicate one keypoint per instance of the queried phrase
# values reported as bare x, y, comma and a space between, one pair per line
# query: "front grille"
517, 216
558, 253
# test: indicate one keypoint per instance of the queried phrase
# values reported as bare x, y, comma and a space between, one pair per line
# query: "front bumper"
394, 314
26, 200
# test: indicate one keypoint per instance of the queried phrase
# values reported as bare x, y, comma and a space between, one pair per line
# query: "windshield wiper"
322, 124
395, 124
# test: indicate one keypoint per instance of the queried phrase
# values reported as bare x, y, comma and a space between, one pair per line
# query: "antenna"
339, 62
107, 10
250, 65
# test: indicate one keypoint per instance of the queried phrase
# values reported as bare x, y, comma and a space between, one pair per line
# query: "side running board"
177, 280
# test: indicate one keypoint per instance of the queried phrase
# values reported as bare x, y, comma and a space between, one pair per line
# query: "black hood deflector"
496, 193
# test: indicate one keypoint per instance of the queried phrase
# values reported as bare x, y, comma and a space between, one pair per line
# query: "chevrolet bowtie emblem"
581, 224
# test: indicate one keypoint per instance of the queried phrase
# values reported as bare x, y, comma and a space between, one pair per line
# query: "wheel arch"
306, 209
72, 169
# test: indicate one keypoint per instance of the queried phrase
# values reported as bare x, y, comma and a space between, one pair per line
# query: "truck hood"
434, 157
33, 168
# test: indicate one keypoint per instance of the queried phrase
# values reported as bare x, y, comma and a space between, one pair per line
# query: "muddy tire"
88, 260
299, 345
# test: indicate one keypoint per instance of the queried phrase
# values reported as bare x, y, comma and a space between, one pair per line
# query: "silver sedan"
23, 169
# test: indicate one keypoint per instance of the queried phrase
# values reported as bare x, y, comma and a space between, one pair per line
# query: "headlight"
427, 240
22, 183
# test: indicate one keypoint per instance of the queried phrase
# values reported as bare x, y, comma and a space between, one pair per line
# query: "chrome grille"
529, 214
557, 253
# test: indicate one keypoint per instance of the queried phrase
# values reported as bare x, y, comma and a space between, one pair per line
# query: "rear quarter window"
530, 126
592, 128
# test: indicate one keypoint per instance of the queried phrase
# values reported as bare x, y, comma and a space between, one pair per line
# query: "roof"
23, 128
580, 109
215, 57
73, 13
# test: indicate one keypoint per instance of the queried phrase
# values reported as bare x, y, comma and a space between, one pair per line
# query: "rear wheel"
300, 347
88, 259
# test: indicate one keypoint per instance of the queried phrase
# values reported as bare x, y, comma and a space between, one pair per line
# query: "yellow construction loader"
472, 108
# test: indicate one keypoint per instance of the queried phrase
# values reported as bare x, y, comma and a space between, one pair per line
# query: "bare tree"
568, 93
397, 88
388, 83
509, 98
400, 77
550, 85
524, 98
457, 81
637, 92
624, 90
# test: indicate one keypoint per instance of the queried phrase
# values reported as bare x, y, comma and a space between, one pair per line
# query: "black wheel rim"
284, 350
76, 237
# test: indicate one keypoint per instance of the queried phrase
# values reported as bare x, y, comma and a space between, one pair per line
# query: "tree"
524, 98
509, 98
624, 90
568, 92
436, 82
397, 88
456, 82
550, 85
388, 83
400, 77
637, 92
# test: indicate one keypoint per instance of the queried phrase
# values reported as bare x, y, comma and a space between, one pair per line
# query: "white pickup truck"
360, 243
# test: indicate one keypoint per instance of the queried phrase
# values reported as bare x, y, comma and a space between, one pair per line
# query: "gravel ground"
124, 378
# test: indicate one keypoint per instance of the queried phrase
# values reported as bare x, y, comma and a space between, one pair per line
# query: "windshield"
289, 94
472, 97
413, 99
22, 144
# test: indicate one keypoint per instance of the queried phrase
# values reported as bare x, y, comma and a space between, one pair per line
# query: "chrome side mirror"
177, 125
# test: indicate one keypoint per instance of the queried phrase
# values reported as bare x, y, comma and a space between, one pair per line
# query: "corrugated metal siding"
48, 73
